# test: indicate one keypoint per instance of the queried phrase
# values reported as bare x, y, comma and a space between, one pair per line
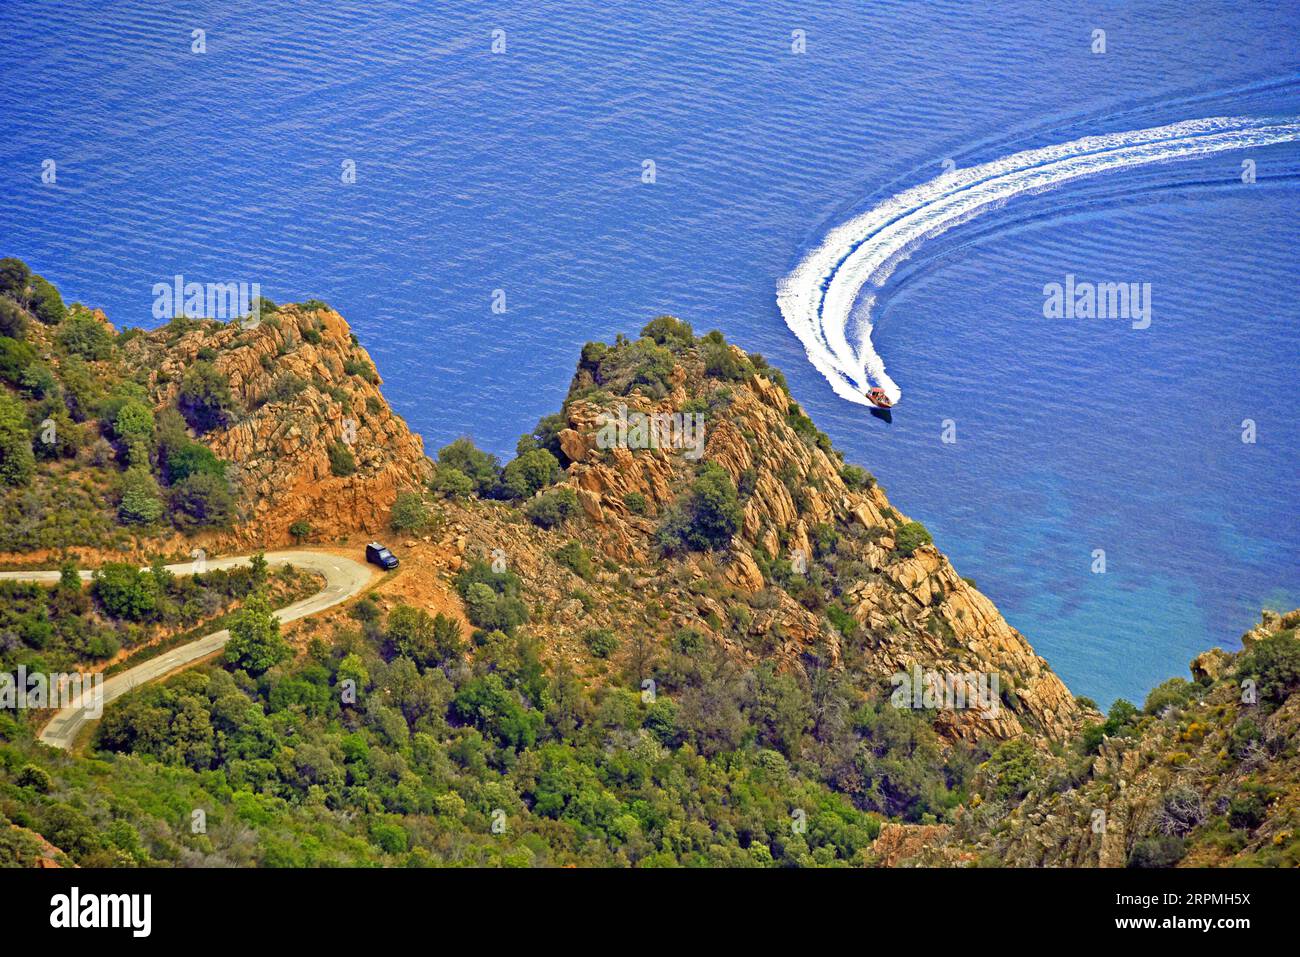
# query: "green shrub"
285, 387
668, 331
362, 368
551, 508
34, 777
124, 591
529, 473
85, 336
46, 303
255, 643
721, 363
201, 500
13, 318
204, 397
635, 502
452, 483
134, 427
1175, 693
1161, 850
191, 458
709, 517
141, 501
857, 478
38, 382
409, 513
1274, 664
497, 711
1013, 767
601, 642
17, 463
494, 612
491, 598
1249, 808
300, 530
14, 277
342, 461
909, 537
15, 357
480, 467
577, 559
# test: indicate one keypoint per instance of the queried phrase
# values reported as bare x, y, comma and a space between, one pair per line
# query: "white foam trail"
822, 299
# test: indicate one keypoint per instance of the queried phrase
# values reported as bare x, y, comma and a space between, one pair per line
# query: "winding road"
344, 578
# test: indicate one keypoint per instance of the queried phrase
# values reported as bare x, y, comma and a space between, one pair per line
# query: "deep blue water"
522, 172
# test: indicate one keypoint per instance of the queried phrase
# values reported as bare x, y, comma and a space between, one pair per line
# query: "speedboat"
876, 396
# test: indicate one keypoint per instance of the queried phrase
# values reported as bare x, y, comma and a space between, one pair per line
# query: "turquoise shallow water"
521, 172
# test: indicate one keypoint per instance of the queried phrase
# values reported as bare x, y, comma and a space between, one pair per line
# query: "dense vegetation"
386, 743
57, 628
85, 457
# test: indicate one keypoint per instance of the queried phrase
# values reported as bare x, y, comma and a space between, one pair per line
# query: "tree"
38, 382
204, 397
529, 473
201, 500
255, 643
547, 436
191, 458
133, 426
1274, 663
141, 501
447, 638
409, 513
126, 592
410, 632
551, 508
453, 483
669, 331
717, 512
17, 463
15, 357
13, 320
707, 519
85, 336
14, 277
259, 570
496, 710
480, 467
46, 302
300, 530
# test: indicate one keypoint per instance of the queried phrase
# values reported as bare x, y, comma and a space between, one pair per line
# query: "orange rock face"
302, 385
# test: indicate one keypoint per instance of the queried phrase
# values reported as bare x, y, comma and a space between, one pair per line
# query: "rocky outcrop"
302, 384
915, 610
1212, 778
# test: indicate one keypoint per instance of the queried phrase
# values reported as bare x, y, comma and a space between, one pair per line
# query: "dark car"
380, 556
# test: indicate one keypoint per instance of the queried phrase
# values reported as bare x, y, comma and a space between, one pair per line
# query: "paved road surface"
344, 578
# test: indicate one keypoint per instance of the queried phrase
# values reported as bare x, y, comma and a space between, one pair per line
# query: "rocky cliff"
1206, 774
302, 384
815, 541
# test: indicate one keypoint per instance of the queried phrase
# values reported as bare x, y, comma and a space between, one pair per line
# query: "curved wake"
822, 299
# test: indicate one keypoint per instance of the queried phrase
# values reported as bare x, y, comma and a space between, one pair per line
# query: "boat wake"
823, 299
